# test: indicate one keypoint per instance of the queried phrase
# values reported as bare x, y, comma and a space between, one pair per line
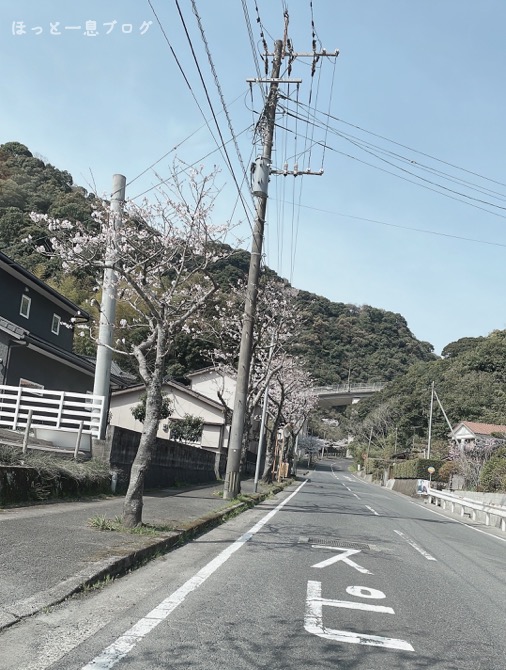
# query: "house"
36, 334
220, 384
183, 400
470, 434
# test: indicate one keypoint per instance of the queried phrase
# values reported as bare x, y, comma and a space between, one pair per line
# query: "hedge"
417, 468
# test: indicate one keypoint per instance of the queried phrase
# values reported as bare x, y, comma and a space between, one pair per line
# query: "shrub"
417, 469
493, 473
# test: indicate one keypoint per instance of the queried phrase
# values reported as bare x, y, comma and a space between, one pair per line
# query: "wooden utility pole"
260, 183
261, 175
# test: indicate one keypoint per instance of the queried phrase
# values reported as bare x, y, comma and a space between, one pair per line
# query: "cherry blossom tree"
291, 400
275, 326
162, 255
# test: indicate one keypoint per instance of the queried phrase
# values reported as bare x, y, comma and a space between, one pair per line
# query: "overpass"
346, 394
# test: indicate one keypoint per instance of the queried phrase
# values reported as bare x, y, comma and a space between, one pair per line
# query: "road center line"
356, 496
373, 511
126, 642
415, 546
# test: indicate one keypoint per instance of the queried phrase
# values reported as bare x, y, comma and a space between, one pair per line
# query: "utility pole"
259, 188
108, 305
430, 419
261, 179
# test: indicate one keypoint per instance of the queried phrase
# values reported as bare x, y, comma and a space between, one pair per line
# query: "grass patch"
102, 523
51, 465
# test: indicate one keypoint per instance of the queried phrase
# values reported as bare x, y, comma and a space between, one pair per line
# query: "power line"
179, 144
408, 228
204, 86
444, 192
199, 160
218, 85
404, 146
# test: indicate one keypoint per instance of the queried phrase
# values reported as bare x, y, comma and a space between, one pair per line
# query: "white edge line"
413, 544
461, 523
126, 642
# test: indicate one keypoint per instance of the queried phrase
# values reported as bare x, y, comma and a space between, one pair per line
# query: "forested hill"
469, 380
338, 341
360, 343
28, 184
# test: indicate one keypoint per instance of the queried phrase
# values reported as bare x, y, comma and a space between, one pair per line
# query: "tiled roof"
483, 428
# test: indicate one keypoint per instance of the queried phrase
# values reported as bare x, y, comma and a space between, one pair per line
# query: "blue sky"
426, 74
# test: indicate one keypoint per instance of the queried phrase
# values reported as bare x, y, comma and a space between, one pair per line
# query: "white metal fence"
56, 410
468, 506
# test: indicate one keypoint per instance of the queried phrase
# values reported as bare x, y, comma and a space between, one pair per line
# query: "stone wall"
21, 484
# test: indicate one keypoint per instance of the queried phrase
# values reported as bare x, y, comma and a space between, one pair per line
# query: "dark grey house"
36, 344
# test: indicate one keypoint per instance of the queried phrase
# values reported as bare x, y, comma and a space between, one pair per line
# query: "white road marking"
365, 592
126, 642
372, 510
356, 496
448, 518
347, 487
348, 478
415, 546
344, 557
313, 622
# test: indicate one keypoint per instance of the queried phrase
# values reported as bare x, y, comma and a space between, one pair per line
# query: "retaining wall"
172, 462
20, 484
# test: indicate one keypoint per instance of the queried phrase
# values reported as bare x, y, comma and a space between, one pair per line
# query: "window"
24, 309
55, 326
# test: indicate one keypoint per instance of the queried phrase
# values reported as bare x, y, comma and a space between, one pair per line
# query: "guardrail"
22, 407
488, 509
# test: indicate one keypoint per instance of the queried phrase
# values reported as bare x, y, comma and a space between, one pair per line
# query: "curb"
119, 565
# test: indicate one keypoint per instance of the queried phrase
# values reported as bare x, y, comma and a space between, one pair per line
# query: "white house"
183, 400
215, 384
221, 383
470, 433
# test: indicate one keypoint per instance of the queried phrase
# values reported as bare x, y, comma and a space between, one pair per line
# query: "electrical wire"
404, 146
211, 107
199, 160
179, 144
434, 186
408, 228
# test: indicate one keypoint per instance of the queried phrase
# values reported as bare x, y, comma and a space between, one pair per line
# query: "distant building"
470, 434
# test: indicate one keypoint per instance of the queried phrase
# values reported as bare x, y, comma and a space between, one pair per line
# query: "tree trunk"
269, 458
133, 504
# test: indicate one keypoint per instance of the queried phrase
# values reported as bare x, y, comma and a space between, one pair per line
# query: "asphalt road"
344, 575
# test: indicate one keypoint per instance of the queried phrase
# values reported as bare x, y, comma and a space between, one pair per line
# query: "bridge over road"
346, 394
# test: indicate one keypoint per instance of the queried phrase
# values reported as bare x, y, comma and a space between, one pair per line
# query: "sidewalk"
48, 552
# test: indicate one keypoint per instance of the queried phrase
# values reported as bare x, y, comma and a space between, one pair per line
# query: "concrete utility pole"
108, 306
260, 183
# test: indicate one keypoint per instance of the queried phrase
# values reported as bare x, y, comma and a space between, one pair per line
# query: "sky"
407, 124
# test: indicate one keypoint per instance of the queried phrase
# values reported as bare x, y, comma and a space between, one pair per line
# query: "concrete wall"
172, 462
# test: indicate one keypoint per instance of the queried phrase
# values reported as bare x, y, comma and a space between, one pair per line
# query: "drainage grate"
328, 542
